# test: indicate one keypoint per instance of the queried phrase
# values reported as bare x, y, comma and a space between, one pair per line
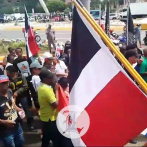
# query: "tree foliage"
52, 5
55, 5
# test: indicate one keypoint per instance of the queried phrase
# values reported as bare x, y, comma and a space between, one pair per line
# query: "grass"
4, 45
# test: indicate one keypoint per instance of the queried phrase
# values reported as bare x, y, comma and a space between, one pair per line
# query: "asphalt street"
61, 36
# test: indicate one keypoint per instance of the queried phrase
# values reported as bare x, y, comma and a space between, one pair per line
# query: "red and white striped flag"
116, 106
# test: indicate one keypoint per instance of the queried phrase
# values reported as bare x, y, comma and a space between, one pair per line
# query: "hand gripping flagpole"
110, 44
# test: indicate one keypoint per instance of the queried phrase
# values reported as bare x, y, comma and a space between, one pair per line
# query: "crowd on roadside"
31, 84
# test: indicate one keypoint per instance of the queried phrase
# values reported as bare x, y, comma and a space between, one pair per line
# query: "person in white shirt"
60, 68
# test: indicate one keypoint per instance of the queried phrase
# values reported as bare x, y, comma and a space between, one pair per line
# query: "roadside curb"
65, 28
38, 28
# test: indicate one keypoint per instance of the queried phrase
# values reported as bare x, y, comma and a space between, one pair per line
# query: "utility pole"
86, 4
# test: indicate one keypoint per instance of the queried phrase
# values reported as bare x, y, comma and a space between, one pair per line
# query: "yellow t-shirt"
46, 97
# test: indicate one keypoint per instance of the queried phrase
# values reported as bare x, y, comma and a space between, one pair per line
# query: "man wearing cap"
11, 132
34, 82
64, 57
48, 109
19, 86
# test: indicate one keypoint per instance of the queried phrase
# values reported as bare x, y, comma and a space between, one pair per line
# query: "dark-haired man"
48, 109
11, 132
21, 63
131, 56
11, 53
64, 57
18, 85
10, 60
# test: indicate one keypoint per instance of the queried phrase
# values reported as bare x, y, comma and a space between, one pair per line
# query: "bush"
4, 45
16, 45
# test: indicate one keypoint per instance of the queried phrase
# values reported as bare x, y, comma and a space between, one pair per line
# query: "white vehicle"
21, 19
137, 10
113, 16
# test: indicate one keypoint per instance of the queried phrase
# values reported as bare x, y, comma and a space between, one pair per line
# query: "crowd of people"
28, 84
31, 84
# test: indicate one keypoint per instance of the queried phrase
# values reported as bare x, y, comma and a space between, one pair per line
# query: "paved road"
62, 36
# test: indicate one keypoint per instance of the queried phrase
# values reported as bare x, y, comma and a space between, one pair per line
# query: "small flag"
99, 85
58, 49
130, 28
30, 39
63, 100
107, 22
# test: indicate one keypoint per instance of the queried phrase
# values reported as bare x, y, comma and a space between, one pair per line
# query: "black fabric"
27, 27
64, 57
107, 23
84, 47
131, 36
33, 92
1, 72
7, 110
128, 73
50, 132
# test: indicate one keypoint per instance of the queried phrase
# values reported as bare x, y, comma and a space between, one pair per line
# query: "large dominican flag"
116, 106
31, 45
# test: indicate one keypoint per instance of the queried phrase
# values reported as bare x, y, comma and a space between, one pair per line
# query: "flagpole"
127, 25
110, 44
127, 28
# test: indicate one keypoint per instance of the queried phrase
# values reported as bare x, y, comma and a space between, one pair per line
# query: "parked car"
21, 19
113, 16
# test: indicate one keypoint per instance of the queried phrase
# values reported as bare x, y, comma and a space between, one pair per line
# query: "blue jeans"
13, 138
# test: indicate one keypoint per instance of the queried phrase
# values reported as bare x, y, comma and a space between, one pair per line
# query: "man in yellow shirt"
48, 109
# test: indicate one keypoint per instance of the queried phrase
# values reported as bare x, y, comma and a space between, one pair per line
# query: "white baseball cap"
47, 55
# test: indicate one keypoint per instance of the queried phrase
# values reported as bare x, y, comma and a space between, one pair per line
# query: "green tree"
69, 5
55, 5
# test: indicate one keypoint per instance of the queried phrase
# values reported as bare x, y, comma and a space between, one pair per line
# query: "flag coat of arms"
58, 48
30, 39
116, 106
